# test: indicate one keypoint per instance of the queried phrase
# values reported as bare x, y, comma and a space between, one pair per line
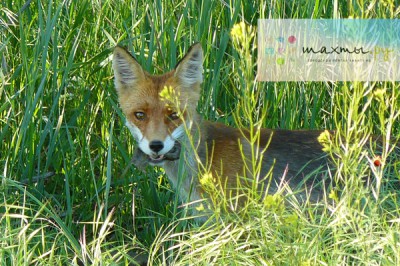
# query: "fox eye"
173, 116
140, 115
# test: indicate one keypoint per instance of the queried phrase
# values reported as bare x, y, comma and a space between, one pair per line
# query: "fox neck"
183, 173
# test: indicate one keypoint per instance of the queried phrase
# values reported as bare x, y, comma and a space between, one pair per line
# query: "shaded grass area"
68, 187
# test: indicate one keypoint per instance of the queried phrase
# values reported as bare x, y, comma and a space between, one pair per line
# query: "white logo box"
328, 50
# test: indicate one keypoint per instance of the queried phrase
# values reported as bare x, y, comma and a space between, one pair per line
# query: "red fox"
164, 132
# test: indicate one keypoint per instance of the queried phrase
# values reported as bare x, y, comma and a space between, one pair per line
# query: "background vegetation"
69, 194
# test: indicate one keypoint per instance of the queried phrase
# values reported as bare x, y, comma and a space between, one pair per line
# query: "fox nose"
156, 145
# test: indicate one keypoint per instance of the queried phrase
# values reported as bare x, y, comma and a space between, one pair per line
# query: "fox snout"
156, 145
155, 150
158, 153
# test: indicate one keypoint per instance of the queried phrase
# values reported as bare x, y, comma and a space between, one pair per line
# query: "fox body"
168, 133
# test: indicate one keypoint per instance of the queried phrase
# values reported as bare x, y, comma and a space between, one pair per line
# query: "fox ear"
190, 69
127, 70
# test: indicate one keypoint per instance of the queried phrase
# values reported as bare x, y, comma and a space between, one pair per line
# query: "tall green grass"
69, 192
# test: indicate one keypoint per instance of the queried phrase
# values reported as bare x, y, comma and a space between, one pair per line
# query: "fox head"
155, 122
